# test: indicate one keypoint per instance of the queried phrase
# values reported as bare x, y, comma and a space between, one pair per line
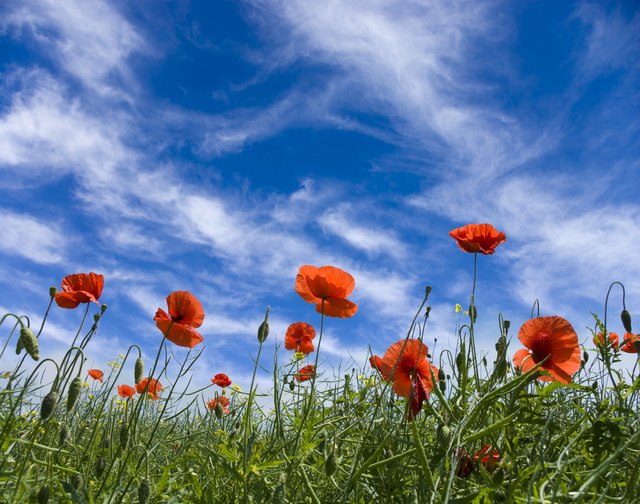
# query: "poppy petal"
305, 275
66, 300
339, 308
179, 334
185, 308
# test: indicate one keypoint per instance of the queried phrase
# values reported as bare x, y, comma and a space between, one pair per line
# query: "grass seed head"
144, 491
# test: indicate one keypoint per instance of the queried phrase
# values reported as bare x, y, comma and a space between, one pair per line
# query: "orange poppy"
553, 339
305, 373
299, 336
80, 288
224, 400
631, 343
155, 387
488, 457
126, 391
483, 238
185, 314
221, 380
598, 339
96, 374
376, 363
405, 364
330, 284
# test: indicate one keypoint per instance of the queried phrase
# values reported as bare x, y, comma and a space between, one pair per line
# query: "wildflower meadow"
550, 416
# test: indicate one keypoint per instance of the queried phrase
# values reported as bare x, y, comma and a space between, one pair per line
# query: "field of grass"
560, 426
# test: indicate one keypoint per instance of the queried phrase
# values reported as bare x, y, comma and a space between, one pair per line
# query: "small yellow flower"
236, 388
90, 396
361, 377
458, 308
85, 384
298, 356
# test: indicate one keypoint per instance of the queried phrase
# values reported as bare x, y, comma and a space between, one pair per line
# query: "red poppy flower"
221, 380
465, 466
405, 364
483, 238
488, 457
553, 339
80, 288
185, 314
305, 373
96, 374
299, 336
155, 387
224, 400
631, 343
598, 339
330, 284
126, 391
376, 363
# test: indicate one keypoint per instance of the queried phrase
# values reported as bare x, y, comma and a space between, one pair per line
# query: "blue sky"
217, 146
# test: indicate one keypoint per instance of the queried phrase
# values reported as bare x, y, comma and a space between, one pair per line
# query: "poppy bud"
585, 356
52, 291
459, 361
506, 324
124, 436
443, 435
441, 375
443, 386
219, 410
626, 320
594, 385
263, 330
76, 481
98, 466
96, 317
473, 313
292, 386
74, 392
427, 311
19, 346
427, 291
48, 405
144, 490
331, 464
29, 342
62, 435
138, 370
103, 308
43, 495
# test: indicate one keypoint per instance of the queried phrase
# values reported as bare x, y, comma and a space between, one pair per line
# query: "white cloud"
26, 236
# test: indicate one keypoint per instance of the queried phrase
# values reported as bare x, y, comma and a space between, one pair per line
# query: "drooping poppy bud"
29, 342
473, 313
63, 435
263, 330
48, 405
331, 464
138, 370
626, 320
124, 436
441, 375
99, 466
74, 392
43, 494
52, 291
77, 481
144, 491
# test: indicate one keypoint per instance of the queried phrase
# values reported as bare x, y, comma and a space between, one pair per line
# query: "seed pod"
506, 324
138, 370
144, 491
99, 466
441, 375
443, 435
292, 386
63, 435
219, 410
263, 330
48, 405
43, 495
331, 464
29, 342
52, 291
443, 386
124, 435
473, 313
77, 481
626, 320
74, 392
459, 361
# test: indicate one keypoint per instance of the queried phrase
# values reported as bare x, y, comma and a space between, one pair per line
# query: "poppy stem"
472, 316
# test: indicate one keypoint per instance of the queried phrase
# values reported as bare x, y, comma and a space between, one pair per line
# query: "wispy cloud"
26, 236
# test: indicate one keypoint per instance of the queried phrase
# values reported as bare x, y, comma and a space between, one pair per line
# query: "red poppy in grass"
155, 387
483, 238
488, 457
299, 336
223, 400
126, 391
221, 380
330, 284
598, 339
631, 343
80, 288
376, 363
552, 340
405, 364
96, 374
305, 373
185, 314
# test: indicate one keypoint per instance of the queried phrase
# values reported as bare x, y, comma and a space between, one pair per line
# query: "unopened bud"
74, 392
96, 317
585, 357
626, 320
219, 410
473, 313
103, 308
48, 405
506, 324
331, 464
138, 370
427, 291
443, 435
459, 361
292, 386
99, 466
263, 330
52, 291
443, 386
63, 435
43, 495
29, 343
124, 436
441, 375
